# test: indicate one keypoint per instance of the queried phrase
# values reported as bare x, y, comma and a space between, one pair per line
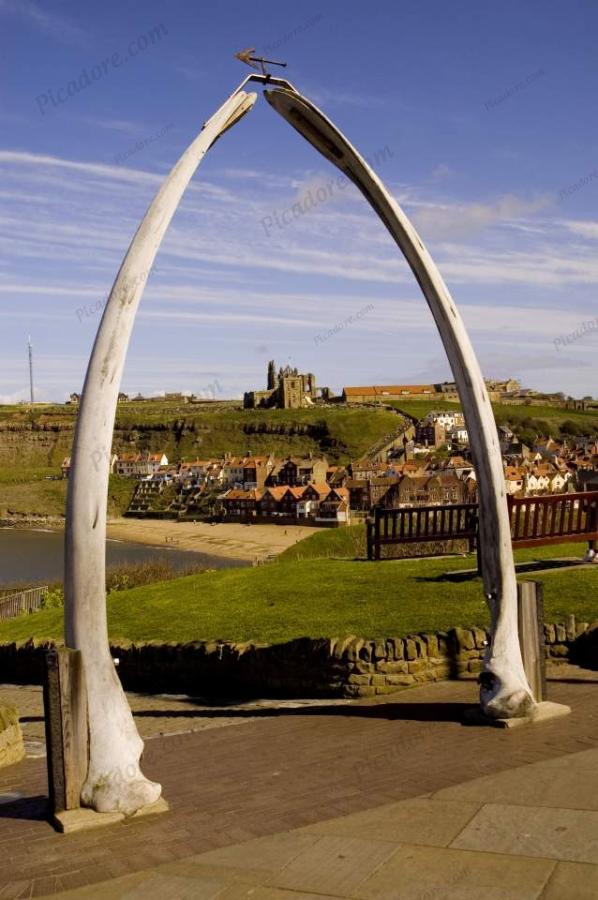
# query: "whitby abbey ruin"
287, 389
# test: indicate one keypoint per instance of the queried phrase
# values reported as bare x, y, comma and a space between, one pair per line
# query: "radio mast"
30, 348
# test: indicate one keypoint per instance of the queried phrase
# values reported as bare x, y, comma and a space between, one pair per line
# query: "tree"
271, 375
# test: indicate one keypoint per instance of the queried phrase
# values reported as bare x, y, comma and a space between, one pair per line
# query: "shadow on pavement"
33, 808
416, 712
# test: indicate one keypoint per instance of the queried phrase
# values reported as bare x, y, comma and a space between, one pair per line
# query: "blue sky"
483, 120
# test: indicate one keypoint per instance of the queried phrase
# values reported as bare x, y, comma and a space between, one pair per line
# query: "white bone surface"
506, 692
114, 779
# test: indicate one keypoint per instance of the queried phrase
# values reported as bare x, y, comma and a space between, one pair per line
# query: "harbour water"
37, 556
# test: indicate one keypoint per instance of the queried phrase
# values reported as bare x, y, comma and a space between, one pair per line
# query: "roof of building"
381, 390
235, 494
277, 493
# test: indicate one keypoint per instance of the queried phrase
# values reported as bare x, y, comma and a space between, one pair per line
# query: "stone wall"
316, 667
11, 737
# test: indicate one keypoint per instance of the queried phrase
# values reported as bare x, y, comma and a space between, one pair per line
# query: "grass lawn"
314, 597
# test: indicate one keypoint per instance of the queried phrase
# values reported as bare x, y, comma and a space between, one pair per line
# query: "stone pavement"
386, 798
524, 834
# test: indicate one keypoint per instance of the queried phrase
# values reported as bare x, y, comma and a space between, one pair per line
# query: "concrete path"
386, 798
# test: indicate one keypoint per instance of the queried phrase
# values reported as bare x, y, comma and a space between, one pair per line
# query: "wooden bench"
554, 519
535, 521
421, 524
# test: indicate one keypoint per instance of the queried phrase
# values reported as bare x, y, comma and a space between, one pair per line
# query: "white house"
458, 434
140, 465
448, 418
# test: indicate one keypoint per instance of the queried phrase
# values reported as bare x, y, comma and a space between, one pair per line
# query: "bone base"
84, 819
541, 712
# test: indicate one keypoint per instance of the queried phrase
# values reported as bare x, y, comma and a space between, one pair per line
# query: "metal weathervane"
245, 56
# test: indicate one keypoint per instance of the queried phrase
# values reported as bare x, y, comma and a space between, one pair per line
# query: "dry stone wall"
12, 749
316, 667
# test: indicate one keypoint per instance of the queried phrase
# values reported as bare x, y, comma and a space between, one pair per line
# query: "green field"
319, 596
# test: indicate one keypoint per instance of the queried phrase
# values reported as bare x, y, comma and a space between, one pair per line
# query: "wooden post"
530, 612
65, 704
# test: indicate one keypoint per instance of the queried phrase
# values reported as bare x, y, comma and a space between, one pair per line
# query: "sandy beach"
231, 540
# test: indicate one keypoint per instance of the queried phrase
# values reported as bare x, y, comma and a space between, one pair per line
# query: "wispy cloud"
220, 284
109, 124
461, 220
330, 96
52, 23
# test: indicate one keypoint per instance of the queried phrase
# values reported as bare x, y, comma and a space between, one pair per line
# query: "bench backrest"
535, 521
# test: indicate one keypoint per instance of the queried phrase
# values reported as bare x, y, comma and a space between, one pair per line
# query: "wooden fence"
24, 602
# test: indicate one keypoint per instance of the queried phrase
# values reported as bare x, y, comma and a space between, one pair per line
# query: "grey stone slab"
150, 885
189, 868
426, 873
572, 881
570, 782
560, 834
171, 887
333, 865
267, 854
418, 821
244, 892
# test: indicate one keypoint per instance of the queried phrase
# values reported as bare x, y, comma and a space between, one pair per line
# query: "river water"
37, 556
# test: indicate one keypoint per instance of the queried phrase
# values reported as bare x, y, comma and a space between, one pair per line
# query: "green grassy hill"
41, 437
319, 597
28, 493
526, 421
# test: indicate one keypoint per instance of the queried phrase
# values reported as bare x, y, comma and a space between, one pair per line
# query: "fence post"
65, 704
530, 614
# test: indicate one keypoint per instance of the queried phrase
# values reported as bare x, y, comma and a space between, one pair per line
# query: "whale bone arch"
114, 779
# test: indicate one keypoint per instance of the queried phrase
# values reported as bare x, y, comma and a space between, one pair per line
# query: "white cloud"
457, 221
587, 230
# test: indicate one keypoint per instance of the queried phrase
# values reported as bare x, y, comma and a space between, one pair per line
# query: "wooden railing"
535, 521
23, 602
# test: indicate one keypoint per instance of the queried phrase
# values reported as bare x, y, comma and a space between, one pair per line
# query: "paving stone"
560, 834
149, 885
333, 865
423, 873
554, 783
422, 821
572, 881
267, 854
244, 892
